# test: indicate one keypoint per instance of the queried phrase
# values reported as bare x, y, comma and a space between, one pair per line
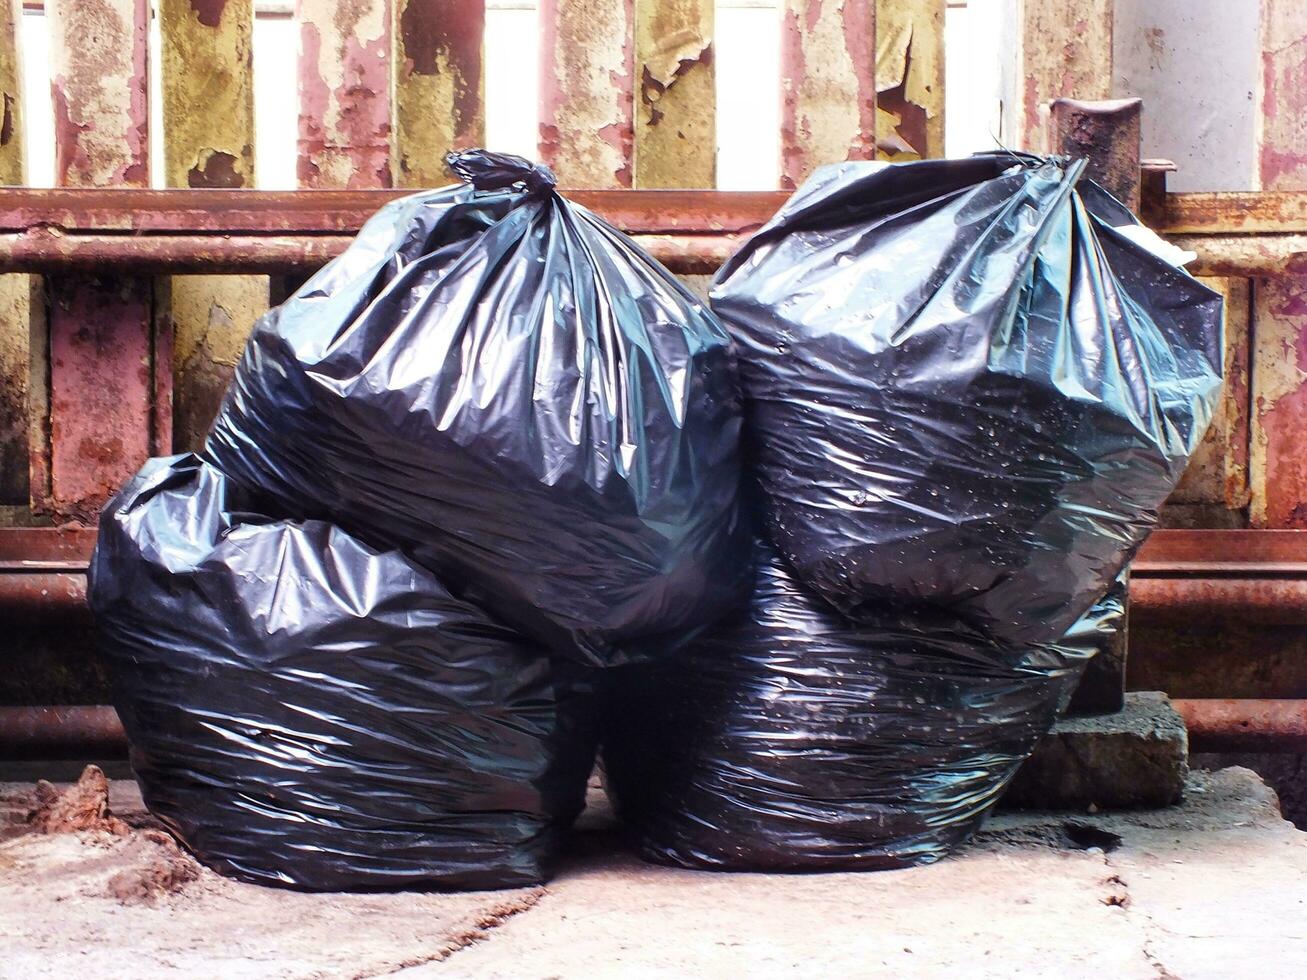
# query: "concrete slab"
1216, 887
1134, 758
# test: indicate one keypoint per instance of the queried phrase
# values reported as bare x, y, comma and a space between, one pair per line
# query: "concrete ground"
1216, 887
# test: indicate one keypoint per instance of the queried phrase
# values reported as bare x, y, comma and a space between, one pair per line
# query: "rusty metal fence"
123, 308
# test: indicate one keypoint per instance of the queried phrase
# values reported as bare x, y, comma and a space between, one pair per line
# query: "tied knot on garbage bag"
967, 393
509, 390
489, 171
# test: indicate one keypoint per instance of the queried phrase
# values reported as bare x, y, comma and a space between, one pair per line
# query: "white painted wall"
1194, 63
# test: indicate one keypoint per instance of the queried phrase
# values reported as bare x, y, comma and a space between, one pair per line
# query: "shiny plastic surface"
963, 388
506, 387
306, 711
789, 738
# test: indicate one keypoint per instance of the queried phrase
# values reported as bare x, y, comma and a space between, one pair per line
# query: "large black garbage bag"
788, 738
502, 384
964, 388
306, 711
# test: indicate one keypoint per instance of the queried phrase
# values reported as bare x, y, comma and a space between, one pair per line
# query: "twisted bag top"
503, 385
964, 387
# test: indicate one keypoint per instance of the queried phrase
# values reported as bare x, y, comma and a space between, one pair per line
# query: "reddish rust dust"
83, 806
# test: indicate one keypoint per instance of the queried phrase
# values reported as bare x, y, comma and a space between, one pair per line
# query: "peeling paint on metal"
828, 85
208, 93
211, 319
100, 84
910, 79
439, 86
208, 87
675, 124
344, 92
101, 389
15, 291
1064, 51
1218, 471
587, 92
1278, 468
101, 380
11, 99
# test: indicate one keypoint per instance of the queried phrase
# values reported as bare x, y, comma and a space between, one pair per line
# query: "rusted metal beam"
40, 251
909, 79
36, 547
1191, 600
246, 212
828, 85
1229, 213
83, 731
676, 112
15, 291
1224, 216
1107, 135
1226, 725
102, 380
1215, 725
12, 167
440, 86
587, 93
47, 216
344, 93
1064, 50
208, 123
1218, 471
1208, 552
1278, 467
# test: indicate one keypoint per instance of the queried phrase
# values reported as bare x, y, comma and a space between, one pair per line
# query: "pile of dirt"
152, 864
83, 806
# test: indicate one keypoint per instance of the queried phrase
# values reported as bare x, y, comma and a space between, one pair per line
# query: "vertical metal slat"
828, 85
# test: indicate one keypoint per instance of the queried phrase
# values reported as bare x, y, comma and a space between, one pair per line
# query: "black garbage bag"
788, 738
500, 383
306, 711
964, 387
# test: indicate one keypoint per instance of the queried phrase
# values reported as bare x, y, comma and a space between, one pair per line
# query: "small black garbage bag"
964, 387
306, 711
788, 738
499, 382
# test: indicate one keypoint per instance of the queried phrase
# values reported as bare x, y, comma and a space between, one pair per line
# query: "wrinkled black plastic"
306, 711
788, 738
506, 387
964, 388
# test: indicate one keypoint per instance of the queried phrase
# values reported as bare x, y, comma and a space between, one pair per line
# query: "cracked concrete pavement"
1216, 887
